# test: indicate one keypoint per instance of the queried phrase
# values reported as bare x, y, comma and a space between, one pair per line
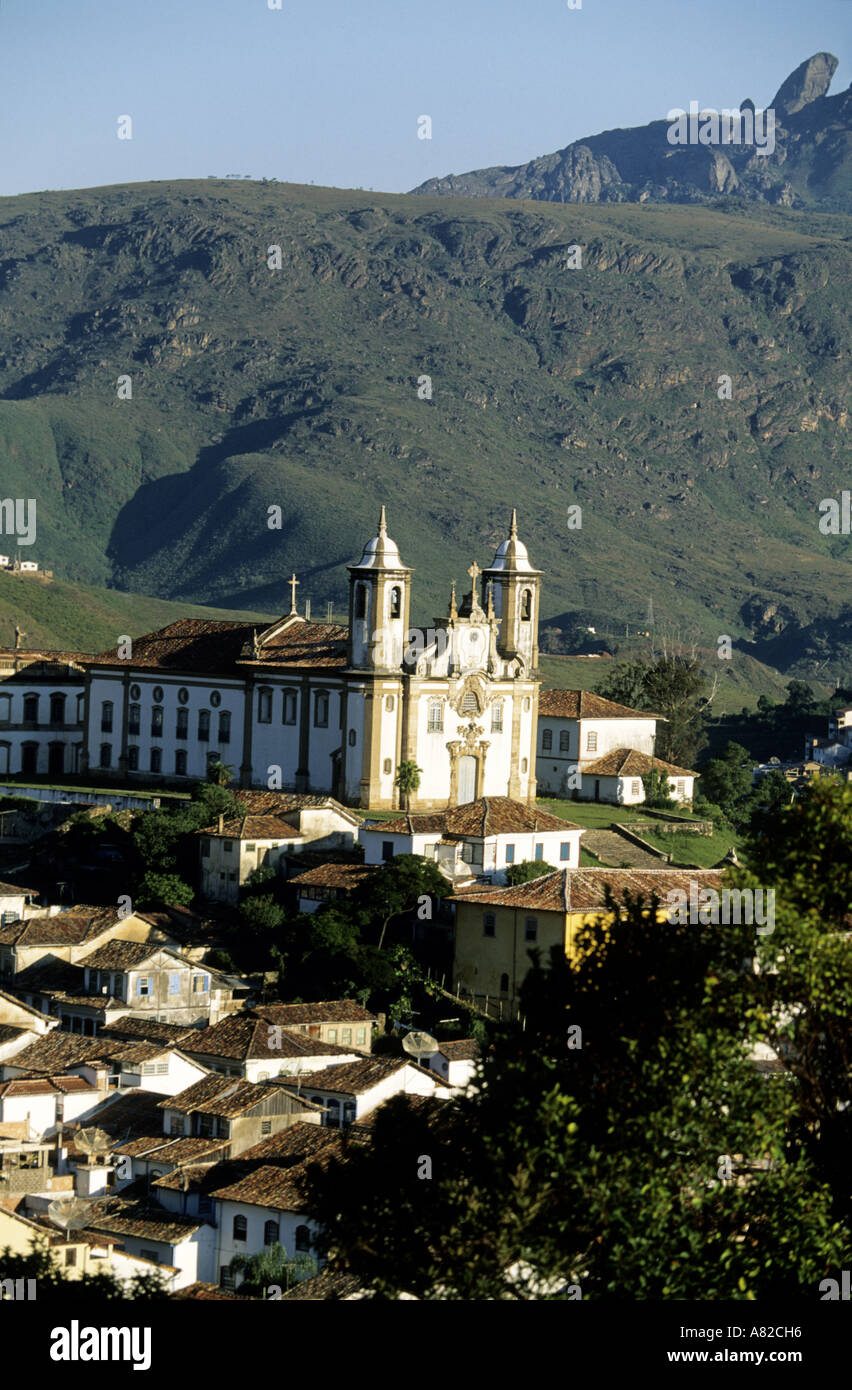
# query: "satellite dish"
418, 1044
70, 1213
94, 1142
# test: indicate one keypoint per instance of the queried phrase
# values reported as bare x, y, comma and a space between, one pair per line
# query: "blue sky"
329, 91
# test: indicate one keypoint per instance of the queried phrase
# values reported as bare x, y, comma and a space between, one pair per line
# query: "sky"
330, 91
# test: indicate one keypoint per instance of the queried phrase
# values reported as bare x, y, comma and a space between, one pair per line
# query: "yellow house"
83, 1252
496, 928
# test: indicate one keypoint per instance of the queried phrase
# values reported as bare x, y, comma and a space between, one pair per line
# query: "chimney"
221, 824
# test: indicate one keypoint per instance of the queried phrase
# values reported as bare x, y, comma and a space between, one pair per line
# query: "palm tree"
272, 1266
407, 779
219, 773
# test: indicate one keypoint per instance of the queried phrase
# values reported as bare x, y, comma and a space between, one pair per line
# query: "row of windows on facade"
472, 851
470, 705
134, 722
239, 1231
395, 602
155, 759
32, 702
103, 981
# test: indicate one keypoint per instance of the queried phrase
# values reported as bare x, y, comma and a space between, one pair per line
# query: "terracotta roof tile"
325, 1011
584, 704
584, 890
63, 929
489, 815
628, 762
345, 876
245, 1037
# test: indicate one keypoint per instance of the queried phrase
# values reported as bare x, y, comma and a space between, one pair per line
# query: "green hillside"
77, 617
297, 388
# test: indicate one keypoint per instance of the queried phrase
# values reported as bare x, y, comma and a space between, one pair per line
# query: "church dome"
511, 554
381, 552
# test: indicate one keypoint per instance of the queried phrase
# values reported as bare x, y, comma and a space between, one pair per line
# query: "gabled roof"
245, 1037
219, 649
345, 876
45, 1086
584, 890
63, 929
460, 1050
627, 762
131, 1028
254, 828
353, 1078
325, 1011
121, 954
119, 1217
488, 815
584, 704
226, 1096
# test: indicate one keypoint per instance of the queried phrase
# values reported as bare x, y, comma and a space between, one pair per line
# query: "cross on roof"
293, 581
474, 571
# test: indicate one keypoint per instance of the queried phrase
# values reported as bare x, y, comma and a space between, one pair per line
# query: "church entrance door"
467, 780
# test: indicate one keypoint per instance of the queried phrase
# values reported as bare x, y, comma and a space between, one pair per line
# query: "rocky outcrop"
808, 83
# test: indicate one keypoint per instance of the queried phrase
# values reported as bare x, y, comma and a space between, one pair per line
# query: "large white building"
316, 707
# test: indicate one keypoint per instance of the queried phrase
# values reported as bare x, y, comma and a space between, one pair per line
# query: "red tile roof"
346, 876
220, 649
584, 704
245, 1037
326, 1011
489, 815
627, 762
584, 890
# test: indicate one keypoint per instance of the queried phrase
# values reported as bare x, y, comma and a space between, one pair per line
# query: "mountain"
298, 388
807, 163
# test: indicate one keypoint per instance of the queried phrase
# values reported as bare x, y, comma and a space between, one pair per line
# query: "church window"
489, 924
225, 726
106, 716
564, 741
156, 721
289, 709
497, 717
351, 738
156, 759
387, 767
182, 723
158, 694
215, 698
180, 762
204, 726
264, 706
134, 719
591, 742
133, 758
106, 754
436, 716
395, 602
135, 692
57, 709
470, 704
526, 606
320, 710
183, 696
360, 601
523, 764
389, 703
547, 739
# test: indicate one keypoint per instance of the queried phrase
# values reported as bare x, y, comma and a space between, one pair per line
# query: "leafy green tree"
272, 1266
527, 870
219, 773
163, 890
625, 684
657, 791
407, 779
727, 782
408, 885
261, 915
54, 1286
673, 687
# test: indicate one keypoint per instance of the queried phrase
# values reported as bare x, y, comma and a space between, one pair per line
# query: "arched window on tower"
360, 601
526, 606
396, 602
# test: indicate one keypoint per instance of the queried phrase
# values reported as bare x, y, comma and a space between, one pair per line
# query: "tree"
407, 779
409, 884
657, 791
54, 1285
260, 915
673, 687
727, 782
163, 890
219, 773
622, 1144
527, 870
272, 1266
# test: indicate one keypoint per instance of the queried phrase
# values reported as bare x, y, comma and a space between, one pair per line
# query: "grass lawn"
694, 851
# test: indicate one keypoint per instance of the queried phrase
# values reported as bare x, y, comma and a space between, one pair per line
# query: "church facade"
321, 708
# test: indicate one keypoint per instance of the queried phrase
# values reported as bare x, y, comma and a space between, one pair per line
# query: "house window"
227, 1277
106, 716
497, 717
510, 854
547, 740
134, 717
5, 709
31, 709
183, 696
350, 1113
320, 710
156, 721
436, 716
240, 1228
333, 1116
225, 726
504, 984
387, 767
636, 788
531, 929
106, 755
205, 1206
151, 1255
174, 982
144, 985
489, 924
395, 602
539, 851
360, 1035
591, 742
200, 984
565, 849
680, 788
564, 741
387, 850
156, 759
205, 848
332, 1035
57, 709
227, 846
265, 1125
204, 726
346, 1035
289, 711
264, 706
270, 1232
182, 724
303, 1238
250, 848
180, 762
526, 606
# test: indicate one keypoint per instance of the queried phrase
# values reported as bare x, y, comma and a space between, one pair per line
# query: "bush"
527, 870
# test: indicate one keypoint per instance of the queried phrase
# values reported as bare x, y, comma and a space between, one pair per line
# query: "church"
323, 708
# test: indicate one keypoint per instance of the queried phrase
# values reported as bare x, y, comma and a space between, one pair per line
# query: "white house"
455, 1062
43, 1102
42, 705
349, 1092
230, 851
251, 1046
149, 1232
617, 777
258, 1210
576, 727
478, 840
